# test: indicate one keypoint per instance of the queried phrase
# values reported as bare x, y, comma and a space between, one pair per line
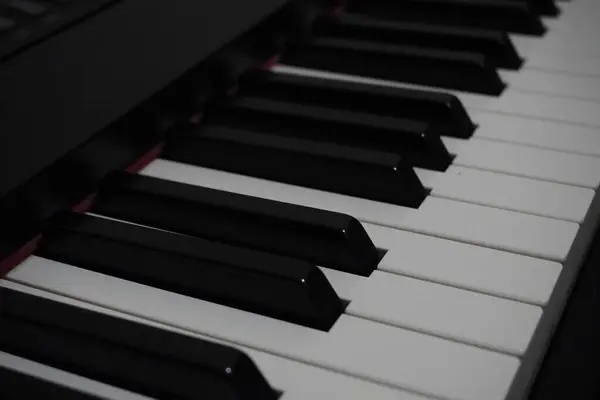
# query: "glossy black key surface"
495, 45
443, 111
367, 174
418, 143
276, 286
511, 16
15, 385
125, 354
326, 238
446, 69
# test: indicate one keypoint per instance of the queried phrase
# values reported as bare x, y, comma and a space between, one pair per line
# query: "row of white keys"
508, 192
573, 23
444, 311
569, 46
463, 265
543, 106
358, 347
529, 162
551, 135
492, 155
577, 18
572, 31
547, 82
557, 57
560, 61
295, 379
563, 42
486, 226
65, 379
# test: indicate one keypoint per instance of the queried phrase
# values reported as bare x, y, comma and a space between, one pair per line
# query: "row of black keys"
317, 133
203, 243
519, 16
455, 44
295, 238
342, 137
210, 244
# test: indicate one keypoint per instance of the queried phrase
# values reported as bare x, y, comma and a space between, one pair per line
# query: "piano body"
299, 199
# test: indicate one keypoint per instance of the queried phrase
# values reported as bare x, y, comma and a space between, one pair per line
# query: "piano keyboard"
433, 264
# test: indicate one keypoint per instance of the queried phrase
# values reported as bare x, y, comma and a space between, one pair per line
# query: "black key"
542, 7
511, 16
495, 45
6, 24
325, 238
418, 143
125, 354
16, 385
447, 69
362, 173
443, 111
276, 286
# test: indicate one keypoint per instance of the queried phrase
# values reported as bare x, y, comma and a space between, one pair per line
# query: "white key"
486, 226
461, 315
358, 347
538, 133
555, 84
466, 266
509, 192
298, 381
526, 161
66, 379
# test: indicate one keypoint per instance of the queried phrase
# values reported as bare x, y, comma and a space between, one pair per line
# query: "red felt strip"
19, 256
146, 159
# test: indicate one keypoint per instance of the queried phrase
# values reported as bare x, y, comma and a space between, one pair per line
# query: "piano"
299, 199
